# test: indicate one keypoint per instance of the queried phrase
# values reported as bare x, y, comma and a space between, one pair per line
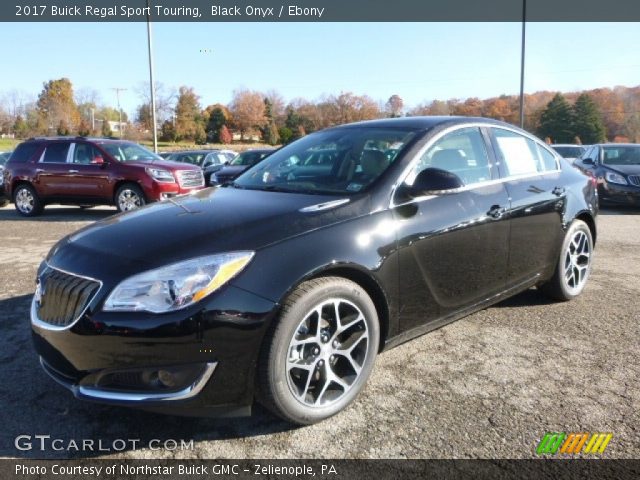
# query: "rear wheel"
574, 265
321, 351
26, 201
129, 197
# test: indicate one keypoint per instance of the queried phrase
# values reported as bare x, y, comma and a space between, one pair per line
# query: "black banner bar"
319, 11
114, 469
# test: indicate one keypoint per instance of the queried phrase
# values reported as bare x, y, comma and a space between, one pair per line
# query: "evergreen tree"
217, 120
106, 129
589, 126
557, 121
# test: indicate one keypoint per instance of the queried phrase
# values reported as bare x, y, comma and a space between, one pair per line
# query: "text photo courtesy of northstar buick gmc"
283, 285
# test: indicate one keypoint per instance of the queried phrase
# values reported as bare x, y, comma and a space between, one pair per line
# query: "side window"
519, 154
549, 161
84, 153
56, 153
462, 152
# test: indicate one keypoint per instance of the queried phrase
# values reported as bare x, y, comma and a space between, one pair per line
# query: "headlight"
176, 286
161, 175
613, 177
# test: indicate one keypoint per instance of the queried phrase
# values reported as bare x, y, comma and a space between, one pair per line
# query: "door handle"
558, 191
496, 211
74, 171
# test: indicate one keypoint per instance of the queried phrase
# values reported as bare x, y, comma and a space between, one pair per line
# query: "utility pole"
151, 82
93, 120
118, 90
524, 22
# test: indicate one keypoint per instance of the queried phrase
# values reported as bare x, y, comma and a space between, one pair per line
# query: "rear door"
453, 246
533, 179
52, 170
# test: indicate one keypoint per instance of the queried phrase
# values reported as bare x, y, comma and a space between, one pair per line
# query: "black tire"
27, 201
561, 287
359, 320
134, 197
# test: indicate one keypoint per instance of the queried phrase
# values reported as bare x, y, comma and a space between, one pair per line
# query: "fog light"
167, 378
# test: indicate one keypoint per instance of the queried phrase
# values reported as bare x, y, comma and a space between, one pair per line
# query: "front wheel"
129, 197
574, 265
320, 353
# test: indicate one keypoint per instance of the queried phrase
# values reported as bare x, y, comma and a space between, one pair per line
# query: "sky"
418, 61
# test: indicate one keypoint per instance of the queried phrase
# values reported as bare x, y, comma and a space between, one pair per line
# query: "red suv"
92, 171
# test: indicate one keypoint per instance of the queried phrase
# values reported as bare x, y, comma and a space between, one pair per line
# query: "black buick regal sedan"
282, 286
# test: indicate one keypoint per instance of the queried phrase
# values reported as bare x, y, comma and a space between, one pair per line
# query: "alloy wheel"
327, 353
25, 201
129, 200
577, 261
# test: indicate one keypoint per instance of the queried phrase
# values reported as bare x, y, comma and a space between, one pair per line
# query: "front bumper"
619, 194
223, 337
157, 191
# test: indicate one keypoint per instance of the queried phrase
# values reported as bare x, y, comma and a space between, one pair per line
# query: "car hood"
210, 221
625, 169
232, 170
166, 164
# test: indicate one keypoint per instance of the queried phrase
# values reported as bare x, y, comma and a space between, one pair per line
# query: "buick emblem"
37, 296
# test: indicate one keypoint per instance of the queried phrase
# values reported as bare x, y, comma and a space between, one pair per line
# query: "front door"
453, 246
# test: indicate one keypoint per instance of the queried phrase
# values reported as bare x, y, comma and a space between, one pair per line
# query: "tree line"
587, 117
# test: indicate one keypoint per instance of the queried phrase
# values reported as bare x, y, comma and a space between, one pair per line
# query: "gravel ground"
487, 386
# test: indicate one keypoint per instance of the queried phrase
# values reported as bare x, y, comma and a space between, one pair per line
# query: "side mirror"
227, 163
97, 160
588, 161
434, 181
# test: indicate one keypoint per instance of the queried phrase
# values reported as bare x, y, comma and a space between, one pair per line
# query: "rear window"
24, 152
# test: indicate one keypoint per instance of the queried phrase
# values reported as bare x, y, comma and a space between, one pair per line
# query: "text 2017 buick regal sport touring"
283, 286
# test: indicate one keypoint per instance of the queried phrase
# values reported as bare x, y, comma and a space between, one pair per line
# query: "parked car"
616, 167
4, 156
92, 171
210, 161
238, 165
165, 155
569, 151
285, 284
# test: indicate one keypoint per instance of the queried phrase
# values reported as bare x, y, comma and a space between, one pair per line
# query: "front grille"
634, 180
61, 298
190, 178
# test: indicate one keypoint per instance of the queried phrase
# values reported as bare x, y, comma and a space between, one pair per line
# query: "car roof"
424, 123
566, 145
191, 152
89, 139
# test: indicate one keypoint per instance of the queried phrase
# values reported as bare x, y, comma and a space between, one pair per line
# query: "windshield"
194, 158
248, 158
570, 152
129, 152
622, 155
340, 161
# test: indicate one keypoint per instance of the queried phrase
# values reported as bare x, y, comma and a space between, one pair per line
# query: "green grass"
7, 144
171, 146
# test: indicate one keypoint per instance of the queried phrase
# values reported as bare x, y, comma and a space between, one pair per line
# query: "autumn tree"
588, 124
56, 105
225, 135
394, 106
165, 100
248, 110
188, 119
557, 121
